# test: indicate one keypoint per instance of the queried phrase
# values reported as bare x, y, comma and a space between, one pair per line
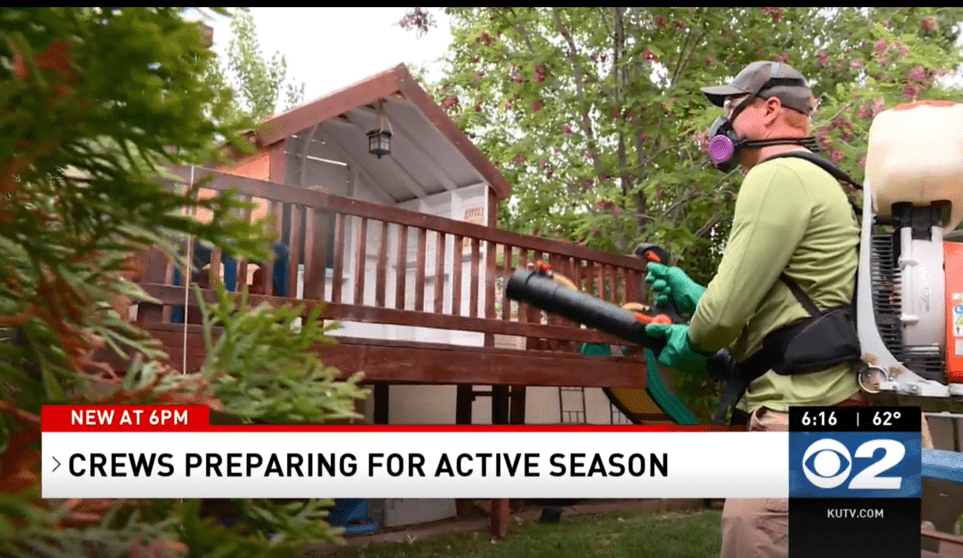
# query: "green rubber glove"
673, 282
679, 352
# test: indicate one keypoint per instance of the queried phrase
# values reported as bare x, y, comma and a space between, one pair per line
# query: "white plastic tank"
915, 155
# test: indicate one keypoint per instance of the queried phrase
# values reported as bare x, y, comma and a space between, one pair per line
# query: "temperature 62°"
885, 418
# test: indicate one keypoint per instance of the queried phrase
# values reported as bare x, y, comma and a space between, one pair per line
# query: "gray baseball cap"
766, 79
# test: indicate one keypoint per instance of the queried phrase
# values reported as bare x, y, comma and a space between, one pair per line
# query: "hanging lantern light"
379, 141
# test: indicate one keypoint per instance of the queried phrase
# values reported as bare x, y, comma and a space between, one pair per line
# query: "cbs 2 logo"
826, 468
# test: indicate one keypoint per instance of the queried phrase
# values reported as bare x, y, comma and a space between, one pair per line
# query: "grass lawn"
625, 534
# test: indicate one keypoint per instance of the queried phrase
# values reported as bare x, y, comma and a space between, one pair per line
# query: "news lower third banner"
174, 452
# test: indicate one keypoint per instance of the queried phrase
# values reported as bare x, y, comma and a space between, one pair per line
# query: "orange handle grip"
660, 319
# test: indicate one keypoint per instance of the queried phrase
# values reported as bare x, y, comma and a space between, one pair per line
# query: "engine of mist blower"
909, 295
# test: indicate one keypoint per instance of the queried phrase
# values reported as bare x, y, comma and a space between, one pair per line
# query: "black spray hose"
543, 292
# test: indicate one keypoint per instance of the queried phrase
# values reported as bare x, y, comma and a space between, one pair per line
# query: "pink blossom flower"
910, 92
539, 73
822, 136
649, 56
837, 156
822, 57
775, 12
917, 74
879, 105
928, 24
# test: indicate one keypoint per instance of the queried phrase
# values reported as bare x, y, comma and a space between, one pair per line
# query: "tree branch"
696, 193
678, 65
691, 196
579, 89
518, 27
619, 39
708, 226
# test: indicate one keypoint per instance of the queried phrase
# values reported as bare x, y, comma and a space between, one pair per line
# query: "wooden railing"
405, 269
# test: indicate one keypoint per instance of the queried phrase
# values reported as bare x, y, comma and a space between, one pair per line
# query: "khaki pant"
759, 528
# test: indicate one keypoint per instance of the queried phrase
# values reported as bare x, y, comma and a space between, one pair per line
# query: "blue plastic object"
202, 257
352, 514
942, 465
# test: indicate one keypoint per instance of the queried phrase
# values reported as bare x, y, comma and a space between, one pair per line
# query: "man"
793, 218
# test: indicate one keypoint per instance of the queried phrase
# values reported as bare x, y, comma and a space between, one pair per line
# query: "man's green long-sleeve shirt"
790, 216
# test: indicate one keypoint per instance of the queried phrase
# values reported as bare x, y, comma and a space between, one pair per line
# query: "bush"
95, 104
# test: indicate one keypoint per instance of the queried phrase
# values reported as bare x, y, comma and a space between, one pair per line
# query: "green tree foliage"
595, 117
258, 81
95, 104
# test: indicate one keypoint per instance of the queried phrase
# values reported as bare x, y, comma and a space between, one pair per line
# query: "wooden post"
500, 405
516, 400
500, 398
381, 403
500, 514
463, 403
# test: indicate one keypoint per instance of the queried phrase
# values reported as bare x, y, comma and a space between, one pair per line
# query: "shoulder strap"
832, 169
827, 166
803, 299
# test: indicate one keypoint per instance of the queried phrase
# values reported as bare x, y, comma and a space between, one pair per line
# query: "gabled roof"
430, 152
